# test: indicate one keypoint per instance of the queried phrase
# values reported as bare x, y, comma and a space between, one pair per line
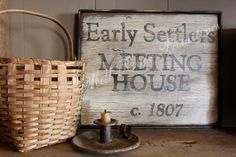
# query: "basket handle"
70, 41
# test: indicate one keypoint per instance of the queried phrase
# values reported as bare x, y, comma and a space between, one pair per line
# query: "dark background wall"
34, 37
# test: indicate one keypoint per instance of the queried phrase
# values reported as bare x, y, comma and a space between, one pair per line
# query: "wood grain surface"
155, 142
151, 68
4, 31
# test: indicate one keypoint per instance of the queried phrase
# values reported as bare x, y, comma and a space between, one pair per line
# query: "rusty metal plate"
89, 142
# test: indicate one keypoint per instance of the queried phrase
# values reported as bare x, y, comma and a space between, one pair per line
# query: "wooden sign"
151, 68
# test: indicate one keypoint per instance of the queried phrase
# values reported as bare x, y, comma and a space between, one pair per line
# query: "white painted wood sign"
151, 68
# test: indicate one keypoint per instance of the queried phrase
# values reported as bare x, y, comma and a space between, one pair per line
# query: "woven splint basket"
40, 100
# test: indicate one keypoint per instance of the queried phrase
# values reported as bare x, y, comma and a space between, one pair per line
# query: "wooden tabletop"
156, 143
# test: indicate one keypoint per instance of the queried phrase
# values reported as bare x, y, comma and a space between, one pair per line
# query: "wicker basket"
39, 99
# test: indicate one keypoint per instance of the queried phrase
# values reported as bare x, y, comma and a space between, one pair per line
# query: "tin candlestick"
105, 130
106, 140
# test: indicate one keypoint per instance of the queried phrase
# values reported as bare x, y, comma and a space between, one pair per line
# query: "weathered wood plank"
147, 68
34, 37
155, 142
4, 31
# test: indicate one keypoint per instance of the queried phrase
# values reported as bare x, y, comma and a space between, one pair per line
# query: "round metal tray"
89, 142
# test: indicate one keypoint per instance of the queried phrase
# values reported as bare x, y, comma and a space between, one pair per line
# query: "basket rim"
36, 61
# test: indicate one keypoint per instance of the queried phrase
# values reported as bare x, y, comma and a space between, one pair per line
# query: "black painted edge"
213, 126
148, 11
220, 66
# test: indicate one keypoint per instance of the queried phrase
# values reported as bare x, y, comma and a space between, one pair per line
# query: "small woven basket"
40, 100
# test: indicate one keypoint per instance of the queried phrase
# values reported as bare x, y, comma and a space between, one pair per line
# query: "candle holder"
107, 140
105, 130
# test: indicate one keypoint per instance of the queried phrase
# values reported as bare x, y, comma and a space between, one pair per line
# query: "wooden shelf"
155, 142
